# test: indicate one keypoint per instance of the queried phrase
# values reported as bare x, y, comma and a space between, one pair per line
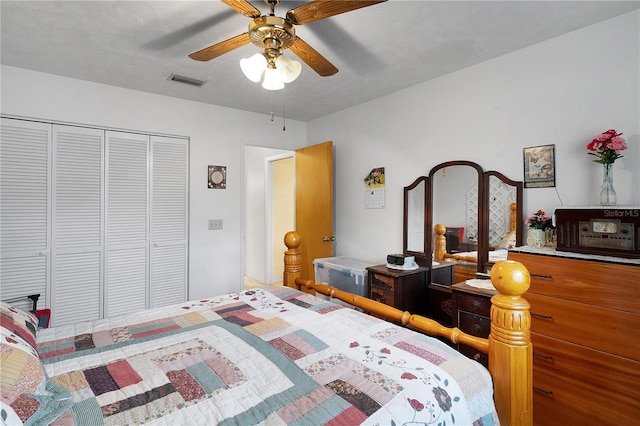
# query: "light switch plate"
215, 224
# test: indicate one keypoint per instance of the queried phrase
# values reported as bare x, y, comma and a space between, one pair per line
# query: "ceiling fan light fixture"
289, 69
254, 66
272, 79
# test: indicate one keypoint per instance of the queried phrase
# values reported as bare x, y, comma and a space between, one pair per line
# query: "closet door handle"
328, 239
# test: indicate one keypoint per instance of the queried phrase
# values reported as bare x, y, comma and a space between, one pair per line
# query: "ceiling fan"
274, 34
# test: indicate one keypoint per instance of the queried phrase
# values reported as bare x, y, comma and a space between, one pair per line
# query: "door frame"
269, 214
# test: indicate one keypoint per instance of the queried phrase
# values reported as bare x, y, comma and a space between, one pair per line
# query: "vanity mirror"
482, 211
456, 200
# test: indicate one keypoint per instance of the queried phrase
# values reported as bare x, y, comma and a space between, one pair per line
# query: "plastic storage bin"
343, 273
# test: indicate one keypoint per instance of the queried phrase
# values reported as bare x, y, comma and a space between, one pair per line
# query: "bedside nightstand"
471, 314
404, 290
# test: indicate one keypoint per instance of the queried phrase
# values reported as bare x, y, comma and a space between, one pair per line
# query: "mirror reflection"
455, 205
415, 196
502, 212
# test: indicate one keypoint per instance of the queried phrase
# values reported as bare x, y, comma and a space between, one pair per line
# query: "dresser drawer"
604, 284
385, 282
599, 328
597, 372
569, 404
474, 324
383, 295
473, 304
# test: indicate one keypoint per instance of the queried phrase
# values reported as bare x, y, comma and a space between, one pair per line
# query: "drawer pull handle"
544, 277
475, 304
477, 327
542, 356
542, 391
540, 316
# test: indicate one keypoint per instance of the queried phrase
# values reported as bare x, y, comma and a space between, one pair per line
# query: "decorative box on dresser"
404, 290
585, 322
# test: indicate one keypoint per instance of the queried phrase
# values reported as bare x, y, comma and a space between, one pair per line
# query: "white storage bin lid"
356, 266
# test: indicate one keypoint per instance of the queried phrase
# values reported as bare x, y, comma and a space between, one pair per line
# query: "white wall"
217, 137
564, 91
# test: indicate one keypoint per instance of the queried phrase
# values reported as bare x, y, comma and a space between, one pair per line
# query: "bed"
271, 355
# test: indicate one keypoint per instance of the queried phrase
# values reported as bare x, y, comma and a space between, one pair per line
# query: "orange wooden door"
314, 203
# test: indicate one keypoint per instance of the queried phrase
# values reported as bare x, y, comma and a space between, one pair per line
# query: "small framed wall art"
539, 166
217, 177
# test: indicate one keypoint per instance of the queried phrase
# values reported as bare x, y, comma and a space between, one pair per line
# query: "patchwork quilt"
268, 356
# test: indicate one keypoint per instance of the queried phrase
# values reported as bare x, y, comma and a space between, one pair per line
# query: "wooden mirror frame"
484, 178
421, 257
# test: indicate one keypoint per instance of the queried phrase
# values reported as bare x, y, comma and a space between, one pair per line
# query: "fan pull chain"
284, 110
272, 115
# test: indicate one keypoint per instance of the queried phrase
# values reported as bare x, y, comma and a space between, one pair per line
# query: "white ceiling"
378, 50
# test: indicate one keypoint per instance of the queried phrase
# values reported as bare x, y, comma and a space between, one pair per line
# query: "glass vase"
608, 195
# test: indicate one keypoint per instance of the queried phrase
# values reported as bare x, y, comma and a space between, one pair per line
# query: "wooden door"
314, 203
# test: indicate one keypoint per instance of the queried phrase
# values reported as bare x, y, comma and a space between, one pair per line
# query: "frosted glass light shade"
272, 79
289, 69
254, 66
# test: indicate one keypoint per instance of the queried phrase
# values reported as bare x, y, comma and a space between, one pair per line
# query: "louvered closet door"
24, 200
77, 245
126, 282
169, 220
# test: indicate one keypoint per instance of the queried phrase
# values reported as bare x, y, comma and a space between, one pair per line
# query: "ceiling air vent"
186, 80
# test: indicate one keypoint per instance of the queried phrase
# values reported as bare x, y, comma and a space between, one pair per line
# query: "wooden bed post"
440, 242
510, 349
292, 259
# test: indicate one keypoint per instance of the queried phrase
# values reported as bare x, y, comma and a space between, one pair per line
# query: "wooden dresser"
585, 328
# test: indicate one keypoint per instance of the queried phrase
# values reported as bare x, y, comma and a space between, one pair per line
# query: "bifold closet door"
127, 225
25, 175
169, 220
77, 224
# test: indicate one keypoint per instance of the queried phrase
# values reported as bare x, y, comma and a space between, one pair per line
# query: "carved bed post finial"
440, 242
510, 343
292, 259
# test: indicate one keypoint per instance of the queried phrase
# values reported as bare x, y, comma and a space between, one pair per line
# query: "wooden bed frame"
509, 343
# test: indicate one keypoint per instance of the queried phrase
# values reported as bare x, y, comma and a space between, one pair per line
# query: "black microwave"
604, 231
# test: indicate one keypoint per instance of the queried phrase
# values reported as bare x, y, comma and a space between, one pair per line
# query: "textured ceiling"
378, 49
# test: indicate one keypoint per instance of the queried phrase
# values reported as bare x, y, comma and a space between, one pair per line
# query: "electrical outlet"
215, 224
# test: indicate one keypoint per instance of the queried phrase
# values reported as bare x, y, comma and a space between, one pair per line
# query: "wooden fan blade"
320, 9
221, 48
243, 7
311, 57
